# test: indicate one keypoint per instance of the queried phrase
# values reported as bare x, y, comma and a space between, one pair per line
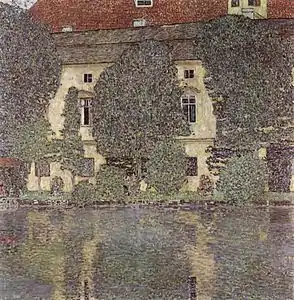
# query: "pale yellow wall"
204, 130
72, 75
261, 10
205, 126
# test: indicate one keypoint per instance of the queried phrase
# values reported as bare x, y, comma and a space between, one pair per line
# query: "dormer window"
144, 3
66, 29
139, 23
235, 3
253, 2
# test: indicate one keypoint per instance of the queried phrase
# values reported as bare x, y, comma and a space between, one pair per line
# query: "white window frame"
86, 103
190, 101
143, 5
139, 20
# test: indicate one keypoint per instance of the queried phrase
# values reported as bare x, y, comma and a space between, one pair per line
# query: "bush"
243, 180
205, 187
166, 168
83, 194
110, 184
56, 185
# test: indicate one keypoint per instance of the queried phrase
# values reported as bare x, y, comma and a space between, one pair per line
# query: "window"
127, 164
86, 116
42, 168
192, 167
143, 2
253, 2
88, 78
235, 3
188, 73
139, 23
67, 29
189, 108
86, 167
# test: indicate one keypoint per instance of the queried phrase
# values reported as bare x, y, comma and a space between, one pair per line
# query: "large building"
91, 35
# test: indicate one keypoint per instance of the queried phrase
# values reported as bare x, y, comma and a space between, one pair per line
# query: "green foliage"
205, 185
138, 102
110, 182
32, 142
249, 78
243, 180
83, 194
29, 73
71, 145
56, 185
166, 168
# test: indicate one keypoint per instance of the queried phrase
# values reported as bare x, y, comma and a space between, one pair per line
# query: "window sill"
144, 6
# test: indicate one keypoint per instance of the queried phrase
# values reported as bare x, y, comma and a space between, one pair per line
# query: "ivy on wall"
71, 145
248, 65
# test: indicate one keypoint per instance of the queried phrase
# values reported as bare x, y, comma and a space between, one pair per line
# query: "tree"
166, 168
110, 183
29, 73
243, 180
248, 67
138, 103
71, 145
33, 144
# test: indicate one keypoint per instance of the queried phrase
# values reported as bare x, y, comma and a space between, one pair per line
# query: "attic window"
66, 28
253, 2
140, 3
139, 23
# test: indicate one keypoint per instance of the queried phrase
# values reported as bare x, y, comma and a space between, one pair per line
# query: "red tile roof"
106, 14
281, 9
8, 162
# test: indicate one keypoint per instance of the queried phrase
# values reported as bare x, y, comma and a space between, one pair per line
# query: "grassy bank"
151, 199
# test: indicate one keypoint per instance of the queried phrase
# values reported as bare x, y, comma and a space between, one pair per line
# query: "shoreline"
158, 205
64, 202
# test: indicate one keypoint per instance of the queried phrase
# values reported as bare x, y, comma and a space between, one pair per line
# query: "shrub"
243, 180
56, 185
83, 194
110, 184
166, 168
205, 185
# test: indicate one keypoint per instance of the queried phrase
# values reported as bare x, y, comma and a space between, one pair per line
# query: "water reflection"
147, 254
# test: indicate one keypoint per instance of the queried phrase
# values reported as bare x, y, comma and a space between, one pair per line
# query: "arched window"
188, 103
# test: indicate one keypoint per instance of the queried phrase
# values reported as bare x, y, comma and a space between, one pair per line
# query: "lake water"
129, 254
